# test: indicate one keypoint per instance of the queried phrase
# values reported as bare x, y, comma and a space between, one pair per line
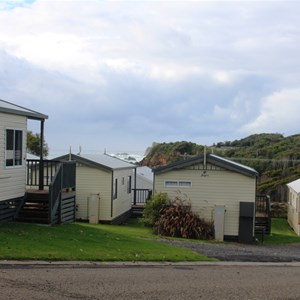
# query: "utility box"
93, 208
219, 222
246, 222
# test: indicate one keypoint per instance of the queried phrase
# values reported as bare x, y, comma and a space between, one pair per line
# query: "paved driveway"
243, 253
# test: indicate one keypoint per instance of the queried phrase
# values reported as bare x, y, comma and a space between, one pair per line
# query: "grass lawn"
83, 241
281, 233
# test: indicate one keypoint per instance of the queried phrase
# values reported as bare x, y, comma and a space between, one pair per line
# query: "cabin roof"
99, 160
295, 185
212, 159
145, 172
10, 108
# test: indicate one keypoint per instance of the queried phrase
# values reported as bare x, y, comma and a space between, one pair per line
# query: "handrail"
263, 203
64, 178
54, 194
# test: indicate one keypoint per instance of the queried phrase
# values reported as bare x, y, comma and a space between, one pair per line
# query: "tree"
34, 144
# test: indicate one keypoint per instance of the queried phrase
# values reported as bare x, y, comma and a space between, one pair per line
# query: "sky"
120, 75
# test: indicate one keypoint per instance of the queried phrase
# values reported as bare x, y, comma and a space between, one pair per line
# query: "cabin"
221, 191
294, 205
103, 187
13, 134
17, 203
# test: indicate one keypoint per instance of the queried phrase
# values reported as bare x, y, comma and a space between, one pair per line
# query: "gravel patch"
242, 252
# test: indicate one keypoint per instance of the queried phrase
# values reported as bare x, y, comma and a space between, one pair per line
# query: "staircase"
262, 215
35, 208
137, 211
263, 224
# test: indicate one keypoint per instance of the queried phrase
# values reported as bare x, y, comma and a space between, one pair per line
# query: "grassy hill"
275, 157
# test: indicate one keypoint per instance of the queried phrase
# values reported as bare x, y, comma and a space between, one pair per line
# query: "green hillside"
275, 157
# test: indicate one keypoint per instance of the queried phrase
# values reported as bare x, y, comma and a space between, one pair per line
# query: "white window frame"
115, 195
129, 184
11, 154
178, 184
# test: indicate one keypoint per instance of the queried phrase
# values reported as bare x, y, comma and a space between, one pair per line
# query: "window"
185, 183
14, 142
178, 183
116, 188
129, 183
170, 183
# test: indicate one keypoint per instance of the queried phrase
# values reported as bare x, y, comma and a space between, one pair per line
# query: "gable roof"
295, 185
212, 159
102, 161
10, 108
145, 173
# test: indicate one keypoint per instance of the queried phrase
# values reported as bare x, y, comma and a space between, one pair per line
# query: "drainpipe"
41, 166
134, 193
204, 158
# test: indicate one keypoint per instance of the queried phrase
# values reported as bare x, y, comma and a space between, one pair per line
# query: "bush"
178, 220
153, 208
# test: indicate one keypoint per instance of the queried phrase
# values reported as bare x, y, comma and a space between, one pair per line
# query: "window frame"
115, 195
129, 184
13, 159
178, 184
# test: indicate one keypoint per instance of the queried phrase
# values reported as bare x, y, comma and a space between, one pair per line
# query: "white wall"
12, 179
94, 181
219, 186
123, 201
294, 210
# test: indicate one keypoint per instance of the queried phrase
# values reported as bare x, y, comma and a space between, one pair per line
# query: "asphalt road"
181, 281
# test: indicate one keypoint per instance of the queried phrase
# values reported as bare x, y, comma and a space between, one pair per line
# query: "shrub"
153, 208
178, 220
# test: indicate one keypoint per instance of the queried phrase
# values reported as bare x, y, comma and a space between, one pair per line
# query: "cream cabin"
103, 187
294, 205
219, 190
13, 133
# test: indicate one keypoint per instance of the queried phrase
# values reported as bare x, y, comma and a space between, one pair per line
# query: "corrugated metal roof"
99, 160
11, 108
146, 172
108, 161
295, 185
31, 156
212, 159
238, 165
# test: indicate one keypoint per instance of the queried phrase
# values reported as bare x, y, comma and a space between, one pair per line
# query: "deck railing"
263, 215
141, 196
33, 170
263, 204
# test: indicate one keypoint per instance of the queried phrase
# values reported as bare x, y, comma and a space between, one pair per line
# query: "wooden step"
35, 208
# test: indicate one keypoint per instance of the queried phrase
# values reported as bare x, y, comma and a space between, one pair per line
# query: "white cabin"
13, 134
213, 184
103, 187
294, 205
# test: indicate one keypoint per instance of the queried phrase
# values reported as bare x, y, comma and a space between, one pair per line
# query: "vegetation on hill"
164, 153
275, 157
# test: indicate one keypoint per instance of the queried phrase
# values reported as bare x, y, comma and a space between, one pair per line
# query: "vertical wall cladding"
91, 181
293, 214
12, 179
214, 187
124, 198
